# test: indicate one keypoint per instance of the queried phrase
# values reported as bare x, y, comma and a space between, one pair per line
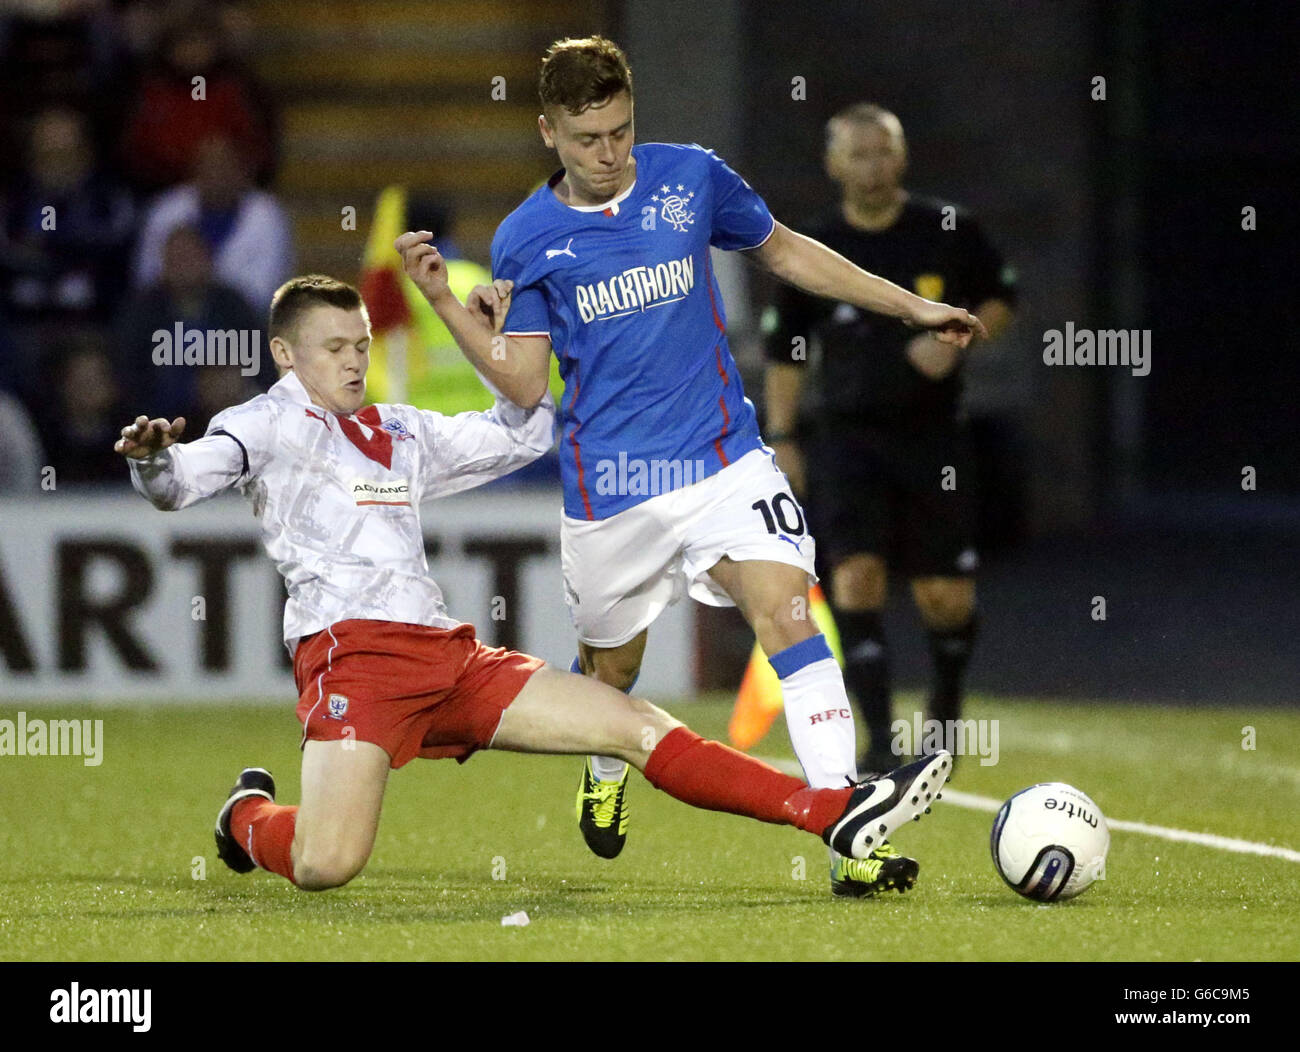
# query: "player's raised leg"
325, 841
558, 712
773, 598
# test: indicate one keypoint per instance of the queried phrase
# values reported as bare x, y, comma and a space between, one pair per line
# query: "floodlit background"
1125, 212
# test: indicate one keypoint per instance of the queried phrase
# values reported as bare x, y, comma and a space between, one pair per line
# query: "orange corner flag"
381, 281
759, 699
381, 268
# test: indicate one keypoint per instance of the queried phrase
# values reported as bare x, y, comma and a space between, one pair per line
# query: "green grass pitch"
97, 863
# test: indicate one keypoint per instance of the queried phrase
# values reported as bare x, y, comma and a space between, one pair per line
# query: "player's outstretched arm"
172, 476
811, 266
469, 449
519, 367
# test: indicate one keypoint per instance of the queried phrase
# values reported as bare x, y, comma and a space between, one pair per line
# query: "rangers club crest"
396, 428
673, 208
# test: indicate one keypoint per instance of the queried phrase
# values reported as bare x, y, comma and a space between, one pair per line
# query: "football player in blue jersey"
669, 489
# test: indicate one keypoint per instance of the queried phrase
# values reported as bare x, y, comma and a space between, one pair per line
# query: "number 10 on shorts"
779, 511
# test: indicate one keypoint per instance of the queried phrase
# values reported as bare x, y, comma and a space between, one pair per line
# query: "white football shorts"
622, 572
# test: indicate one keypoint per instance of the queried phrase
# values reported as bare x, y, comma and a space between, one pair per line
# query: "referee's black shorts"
881, 491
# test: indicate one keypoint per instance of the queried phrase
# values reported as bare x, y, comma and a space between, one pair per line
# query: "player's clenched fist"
491, 303
146, 437
423, 263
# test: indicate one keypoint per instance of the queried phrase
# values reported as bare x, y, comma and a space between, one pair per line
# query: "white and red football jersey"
338, 496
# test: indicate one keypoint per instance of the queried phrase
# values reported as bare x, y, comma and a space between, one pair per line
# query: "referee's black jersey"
864, 375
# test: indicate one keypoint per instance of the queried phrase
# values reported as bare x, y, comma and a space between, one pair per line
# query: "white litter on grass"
1187, 836
515, 920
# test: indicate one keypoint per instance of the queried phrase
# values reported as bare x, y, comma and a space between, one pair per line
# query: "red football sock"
709, 774
265, 831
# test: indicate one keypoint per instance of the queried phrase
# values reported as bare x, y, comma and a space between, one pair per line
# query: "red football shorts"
410, 689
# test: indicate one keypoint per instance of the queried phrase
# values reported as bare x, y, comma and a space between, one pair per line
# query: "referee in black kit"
882, 451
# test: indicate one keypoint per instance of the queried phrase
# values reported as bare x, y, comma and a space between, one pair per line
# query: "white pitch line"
987, 803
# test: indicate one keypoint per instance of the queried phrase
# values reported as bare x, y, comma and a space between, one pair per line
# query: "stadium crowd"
127, 210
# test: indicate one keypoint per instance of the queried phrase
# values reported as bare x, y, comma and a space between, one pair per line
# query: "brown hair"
577, 72
298, 295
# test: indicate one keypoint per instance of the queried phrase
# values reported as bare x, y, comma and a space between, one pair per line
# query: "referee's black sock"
866, 672
950, 651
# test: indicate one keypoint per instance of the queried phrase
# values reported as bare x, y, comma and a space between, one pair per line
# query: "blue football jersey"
626, 293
